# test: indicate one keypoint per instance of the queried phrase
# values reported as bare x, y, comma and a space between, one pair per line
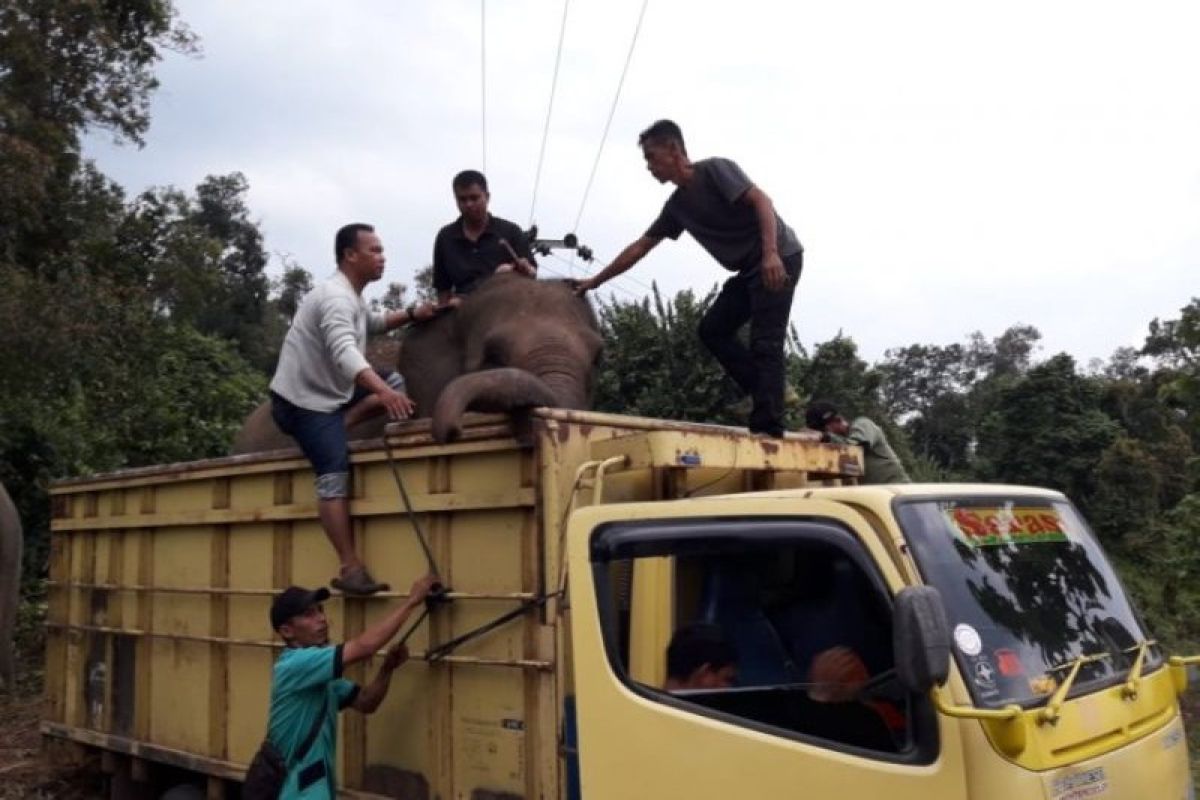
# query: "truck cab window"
783, 626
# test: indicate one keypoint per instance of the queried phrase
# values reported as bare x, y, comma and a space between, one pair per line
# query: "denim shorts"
322, 435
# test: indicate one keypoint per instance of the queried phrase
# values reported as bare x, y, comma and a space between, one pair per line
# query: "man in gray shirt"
880, 462
735, 221
324, 385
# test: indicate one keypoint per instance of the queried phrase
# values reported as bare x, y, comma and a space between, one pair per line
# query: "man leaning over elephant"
477, 245
323, 385
736, 222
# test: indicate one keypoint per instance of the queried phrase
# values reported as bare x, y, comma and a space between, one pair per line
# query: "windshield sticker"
1080, 785
1043, 685
967, 639
985, 675
985, 527
1009, 663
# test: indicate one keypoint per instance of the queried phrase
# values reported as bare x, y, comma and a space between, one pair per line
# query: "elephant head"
10, 582
513, 343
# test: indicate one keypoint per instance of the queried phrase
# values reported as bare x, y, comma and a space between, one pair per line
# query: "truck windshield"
1028, 591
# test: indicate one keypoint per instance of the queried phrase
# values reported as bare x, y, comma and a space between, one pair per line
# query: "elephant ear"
503, 389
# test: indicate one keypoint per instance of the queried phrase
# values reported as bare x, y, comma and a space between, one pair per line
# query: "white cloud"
949, 167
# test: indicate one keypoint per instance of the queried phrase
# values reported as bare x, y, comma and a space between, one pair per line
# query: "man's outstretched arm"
626, 259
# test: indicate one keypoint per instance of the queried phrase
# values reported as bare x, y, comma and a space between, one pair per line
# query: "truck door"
721, 651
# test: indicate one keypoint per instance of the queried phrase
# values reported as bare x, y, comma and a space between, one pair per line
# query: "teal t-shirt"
307, 681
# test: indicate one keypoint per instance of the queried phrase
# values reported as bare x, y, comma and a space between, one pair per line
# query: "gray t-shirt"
709, 210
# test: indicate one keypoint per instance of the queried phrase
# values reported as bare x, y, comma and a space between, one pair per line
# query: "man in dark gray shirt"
735, 221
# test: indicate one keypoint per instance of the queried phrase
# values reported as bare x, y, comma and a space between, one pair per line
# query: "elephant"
512, 343
10, 583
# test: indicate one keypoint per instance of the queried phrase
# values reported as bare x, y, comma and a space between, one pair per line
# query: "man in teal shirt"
307, 683
880, 462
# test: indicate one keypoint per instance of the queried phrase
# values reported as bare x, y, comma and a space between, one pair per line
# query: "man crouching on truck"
324, 385
307, 683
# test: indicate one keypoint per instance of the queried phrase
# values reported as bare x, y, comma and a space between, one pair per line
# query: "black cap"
819, 413
295, 600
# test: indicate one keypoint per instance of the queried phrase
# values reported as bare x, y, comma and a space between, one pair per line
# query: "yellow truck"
987, 649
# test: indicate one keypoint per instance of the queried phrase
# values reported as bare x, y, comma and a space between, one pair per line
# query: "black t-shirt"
460, 264
709, 209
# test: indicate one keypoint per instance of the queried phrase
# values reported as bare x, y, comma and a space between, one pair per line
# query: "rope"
412, 516
446, 648
611, 112
537, 179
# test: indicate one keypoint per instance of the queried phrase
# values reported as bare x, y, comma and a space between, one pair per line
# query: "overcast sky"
949, 166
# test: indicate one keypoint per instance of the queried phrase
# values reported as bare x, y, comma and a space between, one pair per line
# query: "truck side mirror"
920, 638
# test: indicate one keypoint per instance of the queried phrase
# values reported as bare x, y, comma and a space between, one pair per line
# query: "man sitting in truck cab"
307, 688
698, 657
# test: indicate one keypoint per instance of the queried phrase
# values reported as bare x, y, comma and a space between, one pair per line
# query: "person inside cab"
698, 657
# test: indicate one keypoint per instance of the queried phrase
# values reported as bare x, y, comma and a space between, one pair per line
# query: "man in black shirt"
735, 221
476, 245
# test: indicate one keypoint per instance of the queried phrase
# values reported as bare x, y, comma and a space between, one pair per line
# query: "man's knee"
333, 485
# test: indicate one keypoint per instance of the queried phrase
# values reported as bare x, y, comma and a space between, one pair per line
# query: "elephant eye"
493, 354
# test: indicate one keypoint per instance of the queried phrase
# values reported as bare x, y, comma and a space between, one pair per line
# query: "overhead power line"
537, 179
611, 112
483, 83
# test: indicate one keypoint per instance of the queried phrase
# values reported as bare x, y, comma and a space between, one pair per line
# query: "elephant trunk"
491, 390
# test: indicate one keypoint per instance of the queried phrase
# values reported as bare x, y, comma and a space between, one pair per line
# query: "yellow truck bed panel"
159, 643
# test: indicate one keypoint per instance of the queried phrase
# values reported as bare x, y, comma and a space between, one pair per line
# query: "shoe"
358, 582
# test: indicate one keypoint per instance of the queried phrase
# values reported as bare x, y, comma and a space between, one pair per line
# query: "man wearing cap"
477, 245
880, 462
324, 385
307, 683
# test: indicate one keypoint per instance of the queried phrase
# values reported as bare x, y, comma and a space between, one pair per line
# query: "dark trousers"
757, 370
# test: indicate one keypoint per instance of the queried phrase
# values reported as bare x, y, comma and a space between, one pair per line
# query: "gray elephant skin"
10, 585
513, 343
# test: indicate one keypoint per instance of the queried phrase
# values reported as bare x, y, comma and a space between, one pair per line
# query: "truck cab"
983, 647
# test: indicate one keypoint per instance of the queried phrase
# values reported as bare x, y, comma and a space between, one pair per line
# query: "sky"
949, 166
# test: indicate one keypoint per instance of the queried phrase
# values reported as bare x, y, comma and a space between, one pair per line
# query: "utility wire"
537, 179
611, 112
483, 82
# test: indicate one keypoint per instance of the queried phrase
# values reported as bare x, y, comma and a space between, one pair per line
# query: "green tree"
1174, 345
654, 364
292, 286
114, 384
1047, 429
202, 259
65, 66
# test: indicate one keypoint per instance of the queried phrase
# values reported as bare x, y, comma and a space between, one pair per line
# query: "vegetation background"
141, 329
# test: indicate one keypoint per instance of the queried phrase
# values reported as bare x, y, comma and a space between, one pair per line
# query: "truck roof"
880, 496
